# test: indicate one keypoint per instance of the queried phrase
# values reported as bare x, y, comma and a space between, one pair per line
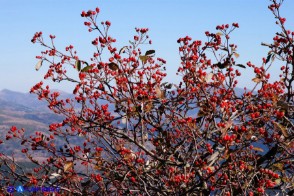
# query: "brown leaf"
236, 55
144, 59
219, 33
159, 93
13, 167
279, 166
99, 164
201, 113
148, 107
67, 166
113, 66
117, 147
130, 156
208, 78
256, 80
39, 65
284, 105
257, 149
281, 128
227, 127
29, 175
275, 99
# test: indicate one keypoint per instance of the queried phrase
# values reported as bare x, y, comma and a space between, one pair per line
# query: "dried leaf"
279, 166
284, 105
213, 158
201, 113
212, 168
67, 166
99, 164
29, 175
113, 66
130, 156
250, 167
219, 33
124, 120
144, 59
257, 149
275, 99
117, 147
208, 77
148, 107
13, 167
39, 65
54, 175
282, 129
159, 93
191, 125
236, 55
256, 80
273, 57
286, 179
226, 128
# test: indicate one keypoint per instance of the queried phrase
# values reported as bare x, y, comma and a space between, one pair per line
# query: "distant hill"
23, 110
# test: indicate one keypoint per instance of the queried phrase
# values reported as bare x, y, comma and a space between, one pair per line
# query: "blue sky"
167, 20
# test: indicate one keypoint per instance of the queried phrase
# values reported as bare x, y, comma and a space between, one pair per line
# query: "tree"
128, 132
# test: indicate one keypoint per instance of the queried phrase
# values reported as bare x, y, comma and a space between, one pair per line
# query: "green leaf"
278, 181
144, 59
268, 58
240, 65
149, 52
78, 65
123, 49
86, 63
131, 43
168, 86
87, 68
